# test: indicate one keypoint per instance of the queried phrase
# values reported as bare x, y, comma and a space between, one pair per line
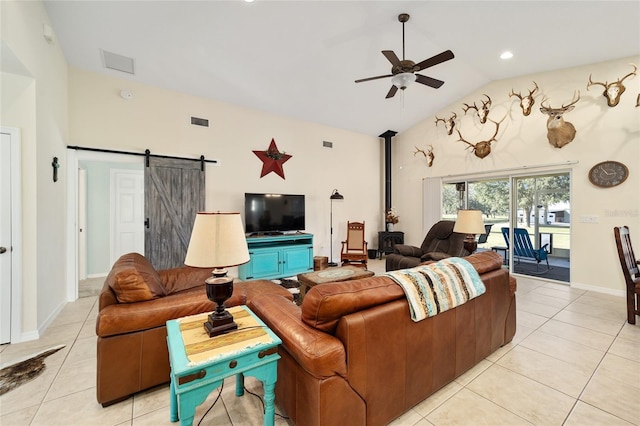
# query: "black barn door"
174, 193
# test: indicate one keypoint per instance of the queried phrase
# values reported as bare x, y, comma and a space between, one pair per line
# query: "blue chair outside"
522, 247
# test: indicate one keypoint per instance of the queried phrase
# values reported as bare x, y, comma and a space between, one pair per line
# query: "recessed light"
506, 55
248, 1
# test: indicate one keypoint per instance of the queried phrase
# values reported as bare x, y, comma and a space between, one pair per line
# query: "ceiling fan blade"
435, 60
431, 82
373, 78
391, 92
392, 57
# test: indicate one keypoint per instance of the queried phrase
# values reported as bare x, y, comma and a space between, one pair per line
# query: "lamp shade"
336, 195
217, 241
469, 222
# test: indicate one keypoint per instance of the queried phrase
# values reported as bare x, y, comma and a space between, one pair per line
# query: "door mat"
25, 370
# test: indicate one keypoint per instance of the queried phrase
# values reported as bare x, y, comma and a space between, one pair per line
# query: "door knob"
3, 250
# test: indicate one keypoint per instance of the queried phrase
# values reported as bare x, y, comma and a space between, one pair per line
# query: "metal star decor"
272, 160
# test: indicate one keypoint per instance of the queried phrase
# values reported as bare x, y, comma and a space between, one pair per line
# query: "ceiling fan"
404, 71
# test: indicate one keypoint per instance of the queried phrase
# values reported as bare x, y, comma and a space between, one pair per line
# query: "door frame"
73, 160
82, 223
16, 232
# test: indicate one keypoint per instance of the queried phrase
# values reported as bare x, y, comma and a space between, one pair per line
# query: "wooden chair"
354, 249
630, 271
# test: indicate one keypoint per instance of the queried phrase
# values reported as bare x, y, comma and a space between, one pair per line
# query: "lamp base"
220, 324
470, 243
219, 289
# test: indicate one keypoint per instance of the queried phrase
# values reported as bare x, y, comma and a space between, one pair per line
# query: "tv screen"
273, 213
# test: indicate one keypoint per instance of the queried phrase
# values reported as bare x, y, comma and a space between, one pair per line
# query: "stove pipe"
387, 167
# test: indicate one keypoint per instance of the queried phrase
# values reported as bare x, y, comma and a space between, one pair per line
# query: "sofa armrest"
125, 318
320, 354
183, 278
407, 250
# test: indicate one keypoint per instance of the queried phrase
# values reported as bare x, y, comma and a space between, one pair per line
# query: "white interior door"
5, 238
82, 224
127, 212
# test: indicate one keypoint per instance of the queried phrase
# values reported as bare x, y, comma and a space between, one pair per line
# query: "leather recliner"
441, 242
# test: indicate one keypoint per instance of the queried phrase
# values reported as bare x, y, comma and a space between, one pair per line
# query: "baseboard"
27, 336
51, 317
100, 275
596, 289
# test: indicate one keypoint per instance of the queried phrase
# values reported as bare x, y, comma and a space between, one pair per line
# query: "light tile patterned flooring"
574, 361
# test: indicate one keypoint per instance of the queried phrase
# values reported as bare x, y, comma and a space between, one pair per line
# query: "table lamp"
218, 241
469, 222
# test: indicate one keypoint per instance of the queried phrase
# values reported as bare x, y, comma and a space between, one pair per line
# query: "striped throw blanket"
437, 287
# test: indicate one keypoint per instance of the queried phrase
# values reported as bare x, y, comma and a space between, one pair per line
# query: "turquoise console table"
200, 364
278, 256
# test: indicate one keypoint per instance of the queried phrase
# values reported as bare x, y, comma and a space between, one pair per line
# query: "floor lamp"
334, 196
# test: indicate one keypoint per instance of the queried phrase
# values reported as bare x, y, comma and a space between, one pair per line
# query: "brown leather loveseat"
352, 355
134, 305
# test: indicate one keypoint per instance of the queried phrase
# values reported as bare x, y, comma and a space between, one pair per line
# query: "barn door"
174, 193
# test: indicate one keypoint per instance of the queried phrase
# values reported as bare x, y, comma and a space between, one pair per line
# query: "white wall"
603, 133
34, 99
159, 120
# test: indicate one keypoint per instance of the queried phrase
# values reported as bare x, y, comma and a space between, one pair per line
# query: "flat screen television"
273, 213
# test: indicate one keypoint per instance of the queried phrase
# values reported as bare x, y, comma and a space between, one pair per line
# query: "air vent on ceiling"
327, 144
117, 62
199, 121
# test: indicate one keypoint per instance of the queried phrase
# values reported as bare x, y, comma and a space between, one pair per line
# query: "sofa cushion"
324, 305
485, 261
133, 279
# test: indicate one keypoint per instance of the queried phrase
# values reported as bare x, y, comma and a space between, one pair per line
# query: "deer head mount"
482, 112
449, 123
483, 148
559, 132
613, 90
428, 155
526, 102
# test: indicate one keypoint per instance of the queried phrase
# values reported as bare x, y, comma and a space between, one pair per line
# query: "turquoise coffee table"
200, 364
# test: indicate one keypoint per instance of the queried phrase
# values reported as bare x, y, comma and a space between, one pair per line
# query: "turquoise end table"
200, 364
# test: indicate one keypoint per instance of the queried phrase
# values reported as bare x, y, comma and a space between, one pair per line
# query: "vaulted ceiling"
300, 58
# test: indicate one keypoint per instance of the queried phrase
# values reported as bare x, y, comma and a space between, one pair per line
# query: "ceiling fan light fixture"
403, 80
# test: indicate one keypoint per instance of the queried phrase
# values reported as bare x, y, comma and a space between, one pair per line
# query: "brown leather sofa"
352, 355
439, 243
134, 305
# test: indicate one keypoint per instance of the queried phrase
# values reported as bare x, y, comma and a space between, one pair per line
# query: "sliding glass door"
538, 205
544, 212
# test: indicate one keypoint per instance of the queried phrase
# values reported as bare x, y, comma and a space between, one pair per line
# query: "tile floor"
574, 361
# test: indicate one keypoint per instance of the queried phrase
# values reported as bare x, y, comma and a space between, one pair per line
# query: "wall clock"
608, 174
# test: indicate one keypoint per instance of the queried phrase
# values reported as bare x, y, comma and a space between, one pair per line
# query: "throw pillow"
133, 279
